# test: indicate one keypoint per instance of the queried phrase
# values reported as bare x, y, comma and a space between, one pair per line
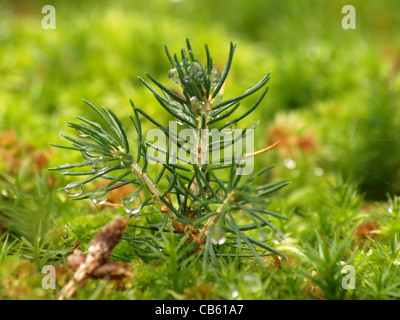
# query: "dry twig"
96, 265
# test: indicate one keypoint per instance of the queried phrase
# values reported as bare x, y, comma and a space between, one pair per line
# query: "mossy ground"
333, 104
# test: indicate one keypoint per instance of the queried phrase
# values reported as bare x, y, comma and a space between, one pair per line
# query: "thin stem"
214, 219
249, 155
150, 185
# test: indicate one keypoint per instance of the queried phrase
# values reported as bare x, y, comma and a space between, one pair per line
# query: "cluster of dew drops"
131, 202
195, 71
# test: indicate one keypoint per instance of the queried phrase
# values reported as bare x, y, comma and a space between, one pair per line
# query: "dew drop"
194, 100
230, 129
73, 189
90, 154
276, 241
99, 196
173, 75
99, 164
66, 170
106, 135
81, 133
195, 103
215, 76
132, 203
195, 71
218, 237
235, 294
278, 237
390, 209
182, 115
262, 234
9, 193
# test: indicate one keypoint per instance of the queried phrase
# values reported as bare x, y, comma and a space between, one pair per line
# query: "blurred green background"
333, 103
334, 93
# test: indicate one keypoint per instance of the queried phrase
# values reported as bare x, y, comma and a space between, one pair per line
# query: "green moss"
336, 89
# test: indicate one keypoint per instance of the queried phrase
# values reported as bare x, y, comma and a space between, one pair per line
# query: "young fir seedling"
209, 196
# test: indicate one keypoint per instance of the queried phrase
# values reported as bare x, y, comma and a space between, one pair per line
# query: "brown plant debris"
367, 229
15, 152
95, 264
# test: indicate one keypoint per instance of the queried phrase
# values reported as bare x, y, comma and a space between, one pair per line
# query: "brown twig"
95, 264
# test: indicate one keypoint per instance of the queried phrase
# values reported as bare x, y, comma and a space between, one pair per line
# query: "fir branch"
190, 197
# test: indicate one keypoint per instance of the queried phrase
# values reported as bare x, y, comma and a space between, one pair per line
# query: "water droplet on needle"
132, 204
81, 133
73, 189
173, 75
99, 196
218, 236
66, 170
